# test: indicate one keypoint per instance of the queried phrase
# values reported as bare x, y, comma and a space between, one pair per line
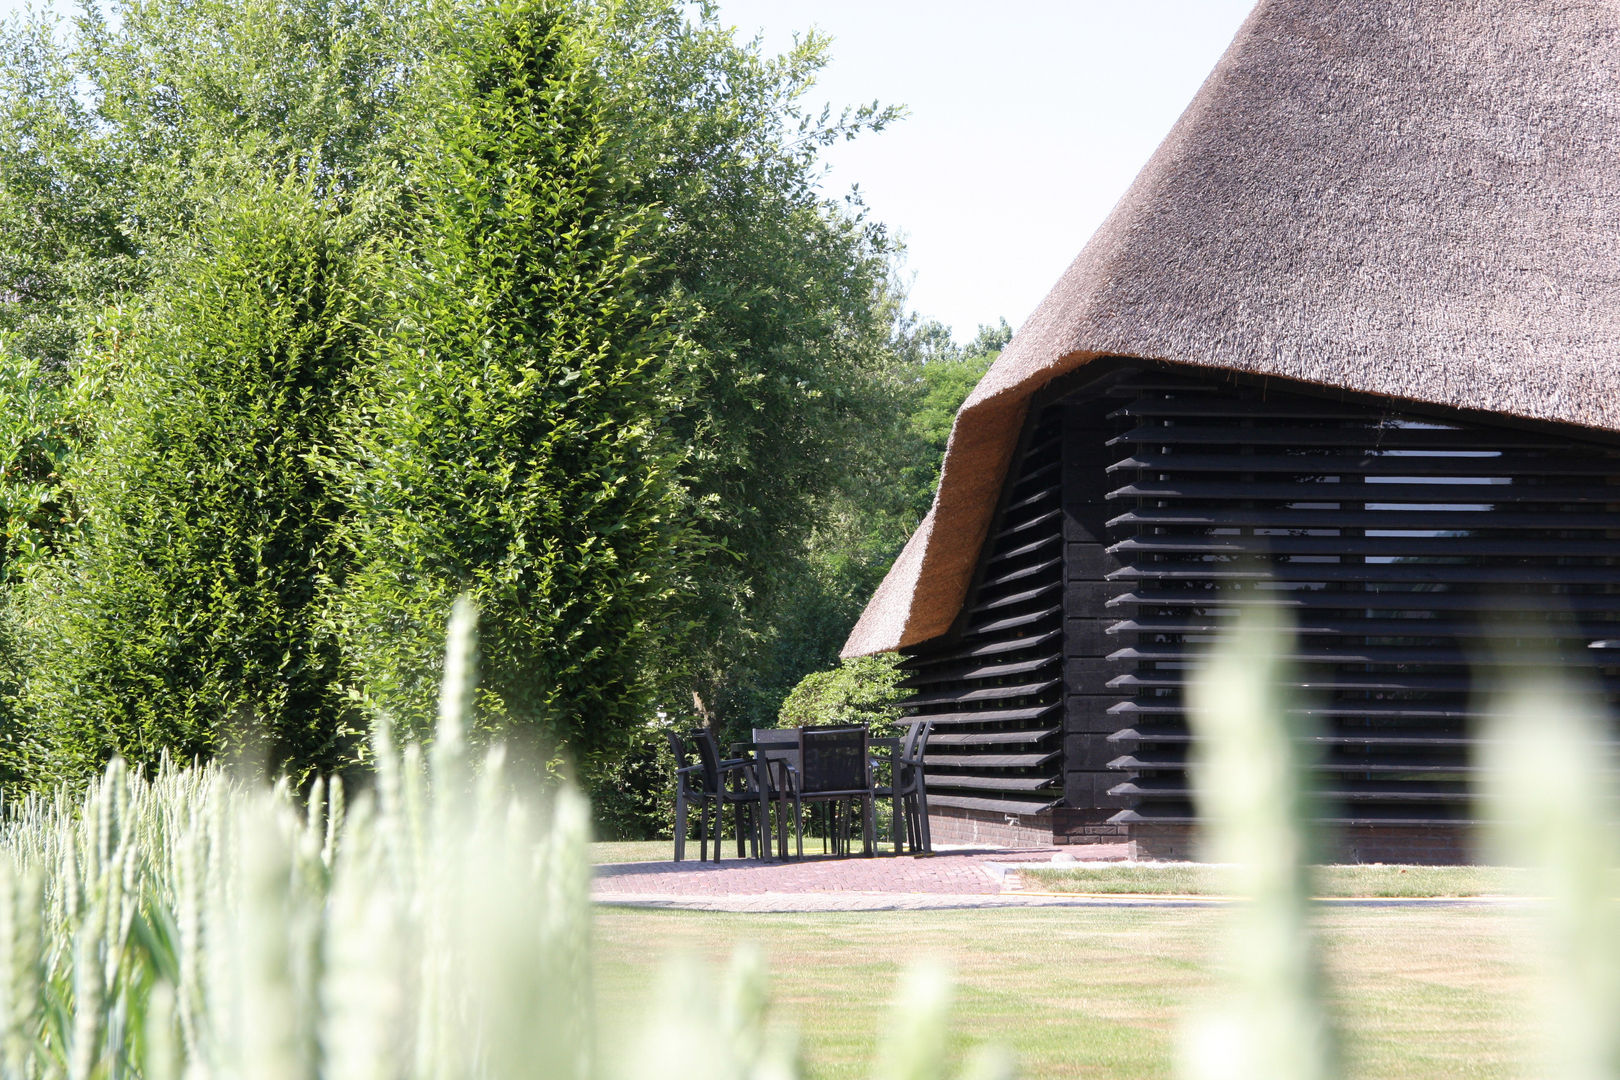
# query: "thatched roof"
1411, 198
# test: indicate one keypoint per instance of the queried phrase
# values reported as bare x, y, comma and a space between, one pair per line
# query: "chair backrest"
833, 760
914, 744
709, 755
683, 758
778, 744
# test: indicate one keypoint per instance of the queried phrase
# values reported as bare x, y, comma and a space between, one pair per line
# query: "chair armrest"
683, 770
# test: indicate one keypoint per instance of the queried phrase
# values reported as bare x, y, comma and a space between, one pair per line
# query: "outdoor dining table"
778, 764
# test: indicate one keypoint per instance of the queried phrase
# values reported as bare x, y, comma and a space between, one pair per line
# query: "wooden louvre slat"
1147, 760
1356, 465
1432, 520
992, 738
1500, 601
1026, 549
979, 761
1426, 573
1373, 655
988, 693
1000, 647
1397, 739
1014, 807
934, 676
1014, 622
1339, 790
1360, 436
1318, 627
986, 780
1433, 547
985, 716
1441, 495
1030, 524
1050, 588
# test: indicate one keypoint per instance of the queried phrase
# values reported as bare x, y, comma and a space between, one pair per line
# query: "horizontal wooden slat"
999, 603
935, 676
1413, 547
987, 716
1146, 760
977, 649
1013, 807
1352, 708
1336, 681
1360, 436
1044, 475
1024, 550
1496, 576
1402, 518
992, 738
1395, 739
1354, 627
1405, 793
1033, 499
989, 693
1448, 816
948, 781
1366, 493
1007, 577
985, 761
1354, 464
1028, 525
1350, 653
1497, 600
1013, 622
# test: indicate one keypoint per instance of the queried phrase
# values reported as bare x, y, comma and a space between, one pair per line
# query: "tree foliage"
186, 616
320, 311
789, 370
510, 439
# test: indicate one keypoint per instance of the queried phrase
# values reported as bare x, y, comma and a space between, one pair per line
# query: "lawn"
1424, 992
1193, 879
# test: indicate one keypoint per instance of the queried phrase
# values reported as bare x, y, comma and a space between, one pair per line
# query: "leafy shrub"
863, 690
508, 440
188, 613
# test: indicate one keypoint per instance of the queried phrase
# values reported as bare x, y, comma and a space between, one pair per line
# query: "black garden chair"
737, 782
907, 788
779, 750
833, 767
689, 787
715, 783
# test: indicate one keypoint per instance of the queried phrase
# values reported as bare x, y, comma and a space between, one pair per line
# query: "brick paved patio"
968, 878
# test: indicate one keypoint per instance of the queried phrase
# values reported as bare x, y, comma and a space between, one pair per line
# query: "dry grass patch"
1425, 992
1194, 879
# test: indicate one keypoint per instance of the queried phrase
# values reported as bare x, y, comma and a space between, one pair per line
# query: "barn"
1350, 343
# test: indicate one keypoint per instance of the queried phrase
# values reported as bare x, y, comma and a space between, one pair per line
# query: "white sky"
1028, 120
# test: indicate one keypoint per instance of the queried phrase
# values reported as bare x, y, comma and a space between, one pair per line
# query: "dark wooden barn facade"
1350, 343
1414, 547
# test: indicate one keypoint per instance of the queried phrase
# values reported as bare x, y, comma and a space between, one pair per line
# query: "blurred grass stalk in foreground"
438, 926
1252, 785
1548, 789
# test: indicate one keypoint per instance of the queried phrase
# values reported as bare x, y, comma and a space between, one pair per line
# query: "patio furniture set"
837, 770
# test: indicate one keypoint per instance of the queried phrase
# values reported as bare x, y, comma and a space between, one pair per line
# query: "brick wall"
1422, 845
950, 825
1431, 845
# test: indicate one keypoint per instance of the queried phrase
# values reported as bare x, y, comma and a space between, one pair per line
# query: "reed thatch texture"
1411, 198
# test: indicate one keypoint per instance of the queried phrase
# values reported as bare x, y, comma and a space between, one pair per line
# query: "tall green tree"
187, 614
786, 288
512, 438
